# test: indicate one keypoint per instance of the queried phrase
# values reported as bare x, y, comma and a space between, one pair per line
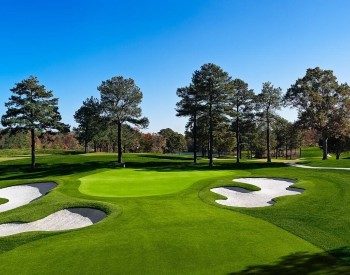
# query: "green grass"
313, 157
139, 182
3, 200
162, 218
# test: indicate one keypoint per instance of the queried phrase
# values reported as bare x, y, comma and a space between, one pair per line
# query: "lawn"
162, 218
312, 156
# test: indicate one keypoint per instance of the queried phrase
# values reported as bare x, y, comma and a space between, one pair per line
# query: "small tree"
190, 106
269, 100
120, 100
88, 118
175, 142
32, 108
242, 103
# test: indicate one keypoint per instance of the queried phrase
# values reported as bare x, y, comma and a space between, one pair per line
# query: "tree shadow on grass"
167, 157
181, 166
23, 171
53, 169
332, 262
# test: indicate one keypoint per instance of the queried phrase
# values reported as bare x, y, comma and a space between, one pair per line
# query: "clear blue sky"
73, 45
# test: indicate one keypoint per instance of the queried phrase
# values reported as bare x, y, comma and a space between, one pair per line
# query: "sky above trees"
71, 46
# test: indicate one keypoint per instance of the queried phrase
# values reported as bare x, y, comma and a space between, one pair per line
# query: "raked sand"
20, 195
66, 219
270, 189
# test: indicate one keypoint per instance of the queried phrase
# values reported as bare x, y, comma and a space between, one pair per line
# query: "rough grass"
182, 231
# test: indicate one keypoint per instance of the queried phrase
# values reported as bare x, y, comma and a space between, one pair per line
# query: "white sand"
20, 195
71, 218
270, 189
321, 168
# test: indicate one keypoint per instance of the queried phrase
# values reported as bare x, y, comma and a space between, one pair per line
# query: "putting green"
138, 183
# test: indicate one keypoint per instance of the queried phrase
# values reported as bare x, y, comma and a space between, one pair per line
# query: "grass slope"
181, 230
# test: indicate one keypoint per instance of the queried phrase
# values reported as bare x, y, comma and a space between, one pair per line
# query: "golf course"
175, 137
162, 217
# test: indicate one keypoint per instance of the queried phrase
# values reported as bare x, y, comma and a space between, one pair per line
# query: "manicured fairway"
162, 218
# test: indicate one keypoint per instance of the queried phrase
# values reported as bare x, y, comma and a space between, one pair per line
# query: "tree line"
220, 109
224, 115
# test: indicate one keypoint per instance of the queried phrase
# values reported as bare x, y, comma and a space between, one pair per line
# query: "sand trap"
66, 219
270, 189
319, 167
20, 195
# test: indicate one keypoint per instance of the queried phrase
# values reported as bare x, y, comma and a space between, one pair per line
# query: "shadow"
43, 187
332, 262
168, 157
53, 168
183, 166
94, 215
23, 171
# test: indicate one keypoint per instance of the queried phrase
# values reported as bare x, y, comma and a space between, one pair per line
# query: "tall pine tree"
120, 101
32, 107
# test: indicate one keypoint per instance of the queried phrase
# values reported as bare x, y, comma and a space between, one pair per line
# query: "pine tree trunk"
32, 134
286, 152
120, 152
85, 146
268, 137
211, 138
325, 148
195, 139
337, 151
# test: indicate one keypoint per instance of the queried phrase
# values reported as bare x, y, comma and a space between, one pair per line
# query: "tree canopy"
322, 104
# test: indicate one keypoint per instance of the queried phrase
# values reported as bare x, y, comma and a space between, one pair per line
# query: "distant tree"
190, 106
223, 141
212, 82
89, 121
175, 142
131, 140
321, 102
152, 143
14, 140
120, 100
268, 101
241, 100
32, 108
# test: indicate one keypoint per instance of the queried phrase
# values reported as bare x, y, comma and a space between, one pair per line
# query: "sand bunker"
270, 189
66, 219
20, 195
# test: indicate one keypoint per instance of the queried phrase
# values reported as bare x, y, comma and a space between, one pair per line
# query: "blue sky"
73, 45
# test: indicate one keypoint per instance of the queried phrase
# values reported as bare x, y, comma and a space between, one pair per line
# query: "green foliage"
241, 106
32, 107
268, 101
212, 83
322, 104
175, 142
88, 117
